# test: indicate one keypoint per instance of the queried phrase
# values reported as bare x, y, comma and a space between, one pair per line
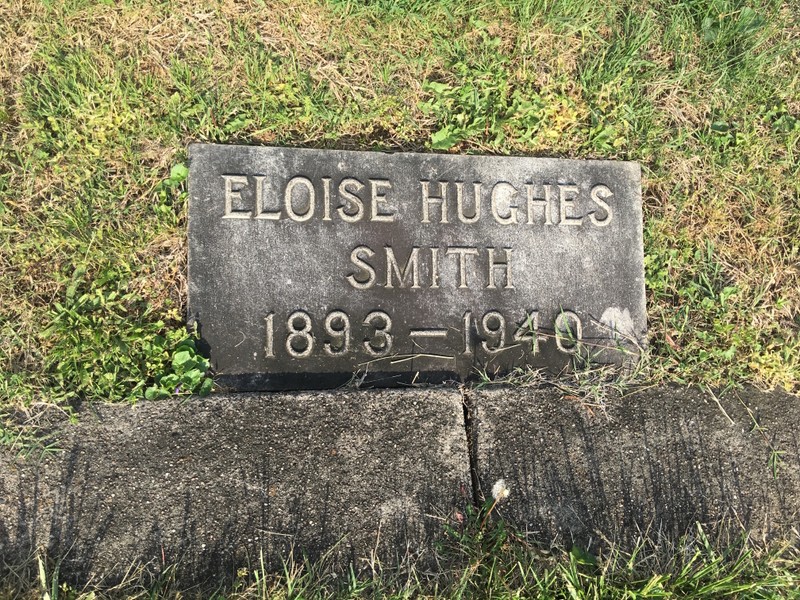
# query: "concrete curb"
372, 477
651, 464
211, 483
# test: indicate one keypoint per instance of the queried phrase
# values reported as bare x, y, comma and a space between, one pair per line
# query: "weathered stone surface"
209, 483
307, 266
657, 462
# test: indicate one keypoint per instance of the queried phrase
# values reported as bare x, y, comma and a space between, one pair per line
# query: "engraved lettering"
342, 333
427, 333
382, 334
434, 268
269, 343
529, 331
544, 203
462, 263
260, 212
504, 192
326, 199
499, 331
352, 200
601, 193
302, 335
476, 213
234, 184
568, 328
365, 267
427, 200
468, 343
289, 197
412, 265
378, 197
493, 264
567, 204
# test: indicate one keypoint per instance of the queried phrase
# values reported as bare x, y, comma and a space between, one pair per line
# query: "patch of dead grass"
162, 280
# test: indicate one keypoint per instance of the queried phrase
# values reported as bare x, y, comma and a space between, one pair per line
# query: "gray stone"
211, 483
655, 463
309, 266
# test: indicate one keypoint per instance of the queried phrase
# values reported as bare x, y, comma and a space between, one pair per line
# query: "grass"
481, 558
100, 100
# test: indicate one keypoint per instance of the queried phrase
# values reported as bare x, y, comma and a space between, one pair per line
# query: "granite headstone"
310, 267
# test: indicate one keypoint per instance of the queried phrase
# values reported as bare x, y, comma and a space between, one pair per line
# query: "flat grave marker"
310, 267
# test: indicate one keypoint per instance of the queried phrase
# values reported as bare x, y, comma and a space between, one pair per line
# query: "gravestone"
310, 267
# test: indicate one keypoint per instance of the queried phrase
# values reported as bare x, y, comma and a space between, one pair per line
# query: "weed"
98, 350
24, 439
775, 455
187, 376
